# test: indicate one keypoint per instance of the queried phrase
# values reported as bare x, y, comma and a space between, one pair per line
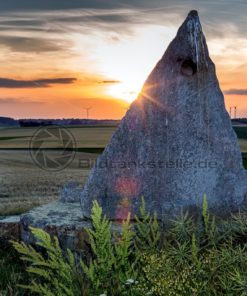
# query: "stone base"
63, 220
10, 228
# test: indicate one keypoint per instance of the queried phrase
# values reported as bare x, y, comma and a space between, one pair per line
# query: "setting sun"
124, 91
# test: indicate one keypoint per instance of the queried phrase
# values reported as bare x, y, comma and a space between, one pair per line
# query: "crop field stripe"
13, 138
92, 126
97, 150
241, 131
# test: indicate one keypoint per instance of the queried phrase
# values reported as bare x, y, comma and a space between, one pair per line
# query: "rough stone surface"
71, 192
61, 219
10, 228
176, 142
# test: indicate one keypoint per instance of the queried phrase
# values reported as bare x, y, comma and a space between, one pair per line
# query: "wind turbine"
87, 111
235, 111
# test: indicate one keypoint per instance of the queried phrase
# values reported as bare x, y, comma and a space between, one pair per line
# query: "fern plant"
211, 233
205, 215
98, 271
53, 274
124, 251
194, 249
110, 267
148, 233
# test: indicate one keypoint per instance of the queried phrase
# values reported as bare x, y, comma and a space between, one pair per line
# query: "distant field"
86, 137
243, 145
23, 185
241, 132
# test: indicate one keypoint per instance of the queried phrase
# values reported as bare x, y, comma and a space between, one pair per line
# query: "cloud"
233, 91
12, 83
10, 101
218, 19
21, 22
30, 44
115, 11
110, 81
25, 5
95, 16
30, 5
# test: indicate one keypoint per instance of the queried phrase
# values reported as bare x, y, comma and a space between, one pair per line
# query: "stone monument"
175, 143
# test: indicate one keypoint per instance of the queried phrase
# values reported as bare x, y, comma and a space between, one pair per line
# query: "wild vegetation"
193, 257
12, 271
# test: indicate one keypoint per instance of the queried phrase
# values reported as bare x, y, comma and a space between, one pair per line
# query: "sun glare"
124, 91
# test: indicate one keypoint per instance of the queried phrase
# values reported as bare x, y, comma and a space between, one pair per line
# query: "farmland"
86, 137
23, 185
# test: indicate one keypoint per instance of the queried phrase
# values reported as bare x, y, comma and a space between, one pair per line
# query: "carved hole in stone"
188, 68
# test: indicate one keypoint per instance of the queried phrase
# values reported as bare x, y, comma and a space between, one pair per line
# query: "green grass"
12, 138
244, 156
97, 150
18, 208
241, 131
11, 271
86, 137
245, 163
91, 126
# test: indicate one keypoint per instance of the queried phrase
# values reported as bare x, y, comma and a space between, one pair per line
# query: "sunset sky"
59, 57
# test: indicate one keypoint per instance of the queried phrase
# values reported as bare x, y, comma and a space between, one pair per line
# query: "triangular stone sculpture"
176, 142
